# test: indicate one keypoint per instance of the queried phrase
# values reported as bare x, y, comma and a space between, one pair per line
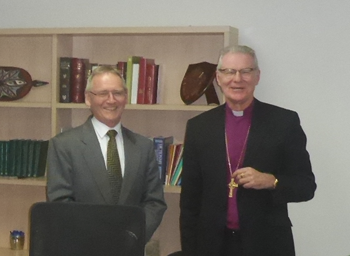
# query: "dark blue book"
161, 145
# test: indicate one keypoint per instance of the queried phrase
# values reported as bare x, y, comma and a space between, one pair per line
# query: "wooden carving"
15, 83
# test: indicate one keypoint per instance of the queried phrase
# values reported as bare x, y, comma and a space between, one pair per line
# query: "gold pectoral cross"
232, 185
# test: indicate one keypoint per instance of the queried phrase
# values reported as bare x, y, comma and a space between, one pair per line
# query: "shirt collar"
101, 129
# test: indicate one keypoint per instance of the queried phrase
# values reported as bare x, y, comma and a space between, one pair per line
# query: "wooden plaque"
198, 80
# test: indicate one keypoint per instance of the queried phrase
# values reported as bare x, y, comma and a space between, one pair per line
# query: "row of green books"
23, 158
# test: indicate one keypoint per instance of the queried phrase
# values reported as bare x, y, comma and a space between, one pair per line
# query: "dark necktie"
113, 166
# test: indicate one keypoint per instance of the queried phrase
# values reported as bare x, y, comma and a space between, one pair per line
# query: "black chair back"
74, 229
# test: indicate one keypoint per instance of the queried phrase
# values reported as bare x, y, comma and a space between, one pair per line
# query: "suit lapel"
94, 160
132, 157
258, 126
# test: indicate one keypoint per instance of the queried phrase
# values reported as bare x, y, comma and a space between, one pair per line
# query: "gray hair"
104, 70
237, 49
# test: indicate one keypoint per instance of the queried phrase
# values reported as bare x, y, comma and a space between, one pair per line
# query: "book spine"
170, 163
79, 72
2, 157
65, 74
161, 145
5, 159
131, 60
122, 67
12, 158
151, 84
29, 171
135, 82
141, 92
24, 165
42, 158
177, 173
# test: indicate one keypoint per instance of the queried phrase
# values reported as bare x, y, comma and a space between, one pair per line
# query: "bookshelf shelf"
155, 107
39, 115
11, 104
9, 252
41, 181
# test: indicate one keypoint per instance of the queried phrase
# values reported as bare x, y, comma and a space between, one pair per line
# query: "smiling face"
238, 88
106, 98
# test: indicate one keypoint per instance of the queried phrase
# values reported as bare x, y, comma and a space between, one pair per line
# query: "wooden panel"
25, 123
34, 54
15, 202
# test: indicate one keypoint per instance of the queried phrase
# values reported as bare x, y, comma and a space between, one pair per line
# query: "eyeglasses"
229, 72
105, 94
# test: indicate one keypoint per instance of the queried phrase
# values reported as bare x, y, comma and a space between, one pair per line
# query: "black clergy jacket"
276, 145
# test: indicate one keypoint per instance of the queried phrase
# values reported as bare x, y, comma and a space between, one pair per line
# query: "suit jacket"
77, 172
277, 145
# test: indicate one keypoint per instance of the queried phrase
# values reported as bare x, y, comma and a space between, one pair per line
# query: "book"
39, 160
177, 173
131, 60
122, 67
3, 157
141, 91
24, 158
176, 160
65, 74
161, 145
173, 156
11, 171
29, 170
151, 84
79, 72
134, 83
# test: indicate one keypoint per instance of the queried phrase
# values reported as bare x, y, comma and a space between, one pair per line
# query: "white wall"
303, 48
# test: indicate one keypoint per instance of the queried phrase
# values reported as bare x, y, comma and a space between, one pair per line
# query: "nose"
237, 77
111, 97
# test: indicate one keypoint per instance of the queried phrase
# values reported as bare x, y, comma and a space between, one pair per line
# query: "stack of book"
74, 73
169, 159
141, 76
174, 165
23, 158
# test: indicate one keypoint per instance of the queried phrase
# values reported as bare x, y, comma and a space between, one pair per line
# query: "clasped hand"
251, 178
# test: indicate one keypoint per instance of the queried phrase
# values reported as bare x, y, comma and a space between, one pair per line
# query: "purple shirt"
237, 128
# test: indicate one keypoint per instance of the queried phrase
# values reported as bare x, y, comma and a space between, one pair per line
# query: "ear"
217, 78
87, 99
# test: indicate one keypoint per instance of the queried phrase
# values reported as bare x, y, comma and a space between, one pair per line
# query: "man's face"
107, 98
238, 88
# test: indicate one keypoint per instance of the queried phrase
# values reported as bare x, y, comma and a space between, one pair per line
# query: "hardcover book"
134, 83
79, 72
173, 156
24, 158
65, 74
40, 155
11, 170
4, 146
122, 67
161, 145
151, 84
141, 91
177, 173
131, 60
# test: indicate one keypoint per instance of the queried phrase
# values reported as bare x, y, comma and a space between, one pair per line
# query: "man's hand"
250, 178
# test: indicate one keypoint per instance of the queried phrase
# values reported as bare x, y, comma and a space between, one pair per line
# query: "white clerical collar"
237, 113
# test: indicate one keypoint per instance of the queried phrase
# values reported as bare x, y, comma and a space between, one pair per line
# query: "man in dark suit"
243, 162
77, 159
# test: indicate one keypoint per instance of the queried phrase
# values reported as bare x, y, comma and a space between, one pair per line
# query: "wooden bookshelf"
39, 115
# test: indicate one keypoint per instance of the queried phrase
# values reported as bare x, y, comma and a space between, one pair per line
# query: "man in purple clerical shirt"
243, 162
